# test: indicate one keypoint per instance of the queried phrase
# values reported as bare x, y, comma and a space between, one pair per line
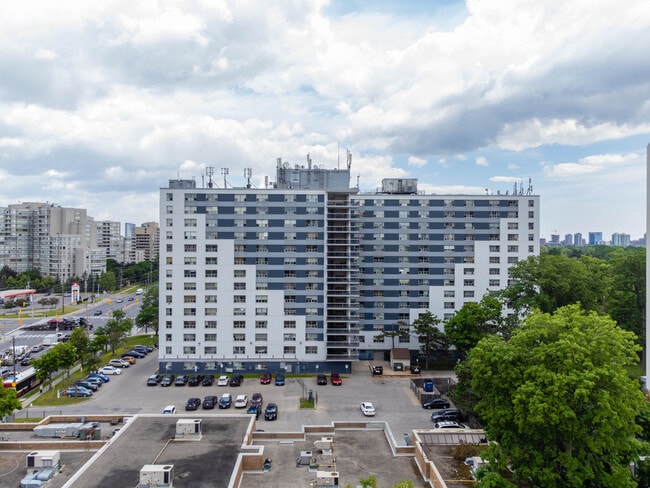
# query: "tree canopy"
557, 402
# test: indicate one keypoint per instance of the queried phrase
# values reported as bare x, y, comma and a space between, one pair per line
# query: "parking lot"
395, 403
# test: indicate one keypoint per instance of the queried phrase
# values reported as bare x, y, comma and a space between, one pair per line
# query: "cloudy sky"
102, 102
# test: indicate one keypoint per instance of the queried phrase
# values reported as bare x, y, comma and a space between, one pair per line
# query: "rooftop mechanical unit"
325, 445
156, 475
327, 478
188, 430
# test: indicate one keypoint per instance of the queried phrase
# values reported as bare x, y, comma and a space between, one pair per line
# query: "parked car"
78, 391
142, 346
279, 379
254, 410
271, 412
452, 414
154, 379
97, 312
194, 380
119, 363
236, 380
209, 402
167, 380
169, 409
415, 370
241, 401
128, 359
321, 379
377, 370
25, 361
110, 369
266, 378
37, 348
436, 403
134, 353
87, 385
141, 349
335, 378
208, 379
368, 409
257, 399
119, 300
181, 380
225, 401
223, 381
193, 403
448, 424
101, 376
93, 380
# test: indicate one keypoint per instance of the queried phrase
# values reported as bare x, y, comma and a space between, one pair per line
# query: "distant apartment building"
145, 243
53, 240
308, 272
568, 240
595, 238
619, 239
110, 238
578, 240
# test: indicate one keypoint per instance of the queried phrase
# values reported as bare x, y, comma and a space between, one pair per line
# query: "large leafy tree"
8, 401
427, 328
474, 321
148, 315
557, 402
402, 330
626, 302
116, 329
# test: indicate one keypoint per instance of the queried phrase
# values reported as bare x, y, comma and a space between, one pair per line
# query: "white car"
449, 424
241, 401
110, 370
368, 409
223, 381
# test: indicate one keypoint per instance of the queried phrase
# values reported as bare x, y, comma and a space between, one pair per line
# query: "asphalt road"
395, 403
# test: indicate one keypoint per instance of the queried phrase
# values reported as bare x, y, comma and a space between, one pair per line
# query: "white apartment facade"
303, 275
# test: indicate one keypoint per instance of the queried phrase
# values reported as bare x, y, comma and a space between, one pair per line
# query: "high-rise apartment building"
619, 239
48, 238
595, 238
146, 242
307, 272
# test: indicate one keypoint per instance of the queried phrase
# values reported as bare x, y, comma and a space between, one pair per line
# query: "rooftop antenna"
248, 172
209, 171
224, 172
349, 158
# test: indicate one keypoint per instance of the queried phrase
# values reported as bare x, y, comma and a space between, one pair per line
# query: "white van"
170, 409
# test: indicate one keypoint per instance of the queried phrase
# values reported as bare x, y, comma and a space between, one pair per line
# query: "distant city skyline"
102, 103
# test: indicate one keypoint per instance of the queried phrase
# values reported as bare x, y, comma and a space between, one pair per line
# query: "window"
211, 260
189, 260
239, 311
189, 273
311, 349
261, 349
261, 311
239, 350
261, 337
239, 299
189, 337
289, 349
289, 324
210, 311
189, 311
239, 324
211, 273
189, 299
189, 324
239, 273
239, 337
261, 324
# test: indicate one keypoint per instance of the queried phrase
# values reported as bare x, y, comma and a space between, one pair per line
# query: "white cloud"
482, 161
417, 162
589, 165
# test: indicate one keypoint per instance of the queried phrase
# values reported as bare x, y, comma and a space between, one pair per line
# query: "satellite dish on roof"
286, 164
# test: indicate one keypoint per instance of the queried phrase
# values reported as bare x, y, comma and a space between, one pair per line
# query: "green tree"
557, 402
116, 329
8, 401
148, 315
474, 321
432, 339
401, 331
626, 303
81, 343
66, 355
107, 281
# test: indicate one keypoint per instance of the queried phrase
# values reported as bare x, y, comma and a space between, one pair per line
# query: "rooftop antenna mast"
209, 171
224, 172
248, 172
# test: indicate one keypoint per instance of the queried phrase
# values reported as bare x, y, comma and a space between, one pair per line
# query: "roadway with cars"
13, 333
394, 402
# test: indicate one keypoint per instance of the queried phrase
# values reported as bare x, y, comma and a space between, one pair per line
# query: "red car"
335, 378
266, 378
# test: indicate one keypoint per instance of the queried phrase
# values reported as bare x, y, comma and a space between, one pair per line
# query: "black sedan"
210, 401
436, 403
193, 404
271, 412
208, 379
167, 380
